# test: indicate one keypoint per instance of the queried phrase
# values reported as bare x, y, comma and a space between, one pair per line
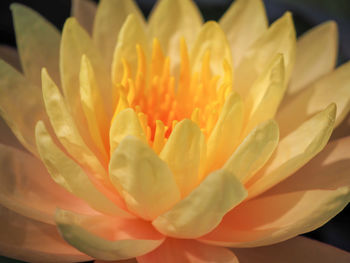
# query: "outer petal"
333, 88
108, 238
84, 11
145, 181
316, 56
7, 137
10, 55
172, 19
27, 188
279, 38
202, 210
299, 249
110, 16
294, 151
33, 241
183, 153
243, 23
301, 203
188, 251
38, 43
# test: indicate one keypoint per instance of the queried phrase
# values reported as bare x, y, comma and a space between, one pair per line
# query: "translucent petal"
144, 180
10, 56
84, 11
38, 43
71, 176
107, 238
332, 88
316, 55
279, 38
301, 203
243, 23
202, 210
295, 150
254, 151
183, 152
187, 251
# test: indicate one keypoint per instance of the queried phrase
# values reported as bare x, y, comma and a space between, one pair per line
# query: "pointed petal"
279, 38
145, 181
202, 210
295, 150
10, 56
107, 238
172, 19
32, 241
16, 90
254, 151
299, 249
316, 56
71, 176
27, 188
188, 251
110, 16
38, 43
183, 153
84, 11
301, 203
211, 38
243, 23
333, 88
225, 135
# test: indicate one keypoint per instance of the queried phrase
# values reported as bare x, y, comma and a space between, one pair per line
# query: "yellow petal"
125, 123
91, 101
144, 180
84, 11
107, 238
334, 87
212, 39
279, 38
66, 129
316, 56
172, 19
254, 151
202, 210
110, 16
74, 44
225, 135
71, 176
296, 149
131, 34
243, 23
183, 152
38, 43
16, 91
10, 56
266, 94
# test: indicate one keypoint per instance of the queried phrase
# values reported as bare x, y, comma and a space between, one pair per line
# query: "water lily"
171, 140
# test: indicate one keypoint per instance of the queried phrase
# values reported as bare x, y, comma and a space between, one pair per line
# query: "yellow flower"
168, 140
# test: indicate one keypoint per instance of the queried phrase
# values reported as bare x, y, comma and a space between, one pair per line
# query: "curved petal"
10, 55
7, 137
301, 203
299, 249
84, 11
188, 251
316, 56
294, 151
279, 38
202, 210
243, 23
332, 88
27, 188
33, 241
108, 238
38, 43
143, 179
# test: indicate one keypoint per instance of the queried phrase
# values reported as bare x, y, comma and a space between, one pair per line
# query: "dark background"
306, 14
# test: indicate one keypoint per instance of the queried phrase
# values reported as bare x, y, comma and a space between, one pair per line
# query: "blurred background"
306, 14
